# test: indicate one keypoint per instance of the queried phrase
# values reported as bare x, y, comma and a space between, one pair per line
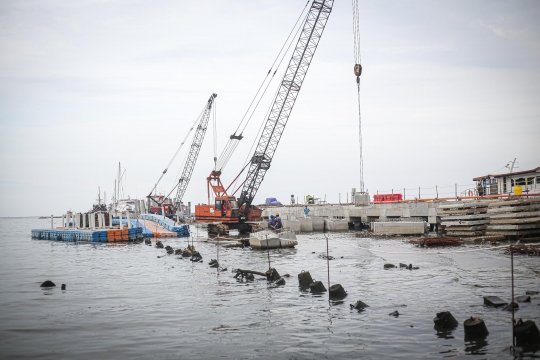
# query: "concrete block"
406, 212
336, 225
373, 212
494, 301
293, 225
523, 298
306, 225
361, 199
356, 212
399, 228
394, 212
317, 223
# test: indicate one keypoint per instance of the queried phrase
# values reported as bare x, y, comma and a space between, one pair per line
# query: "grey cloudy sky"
450, 91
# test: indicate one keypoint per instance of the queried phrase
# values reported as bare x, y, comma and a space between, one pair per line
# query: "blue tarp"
272, 201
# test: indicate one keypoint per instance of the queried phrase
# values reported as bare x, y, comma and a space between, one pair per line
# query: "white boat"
125, 205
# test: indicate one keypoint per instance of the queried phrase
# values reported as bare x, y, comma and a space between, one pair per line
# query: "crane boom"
286, 96
198, 138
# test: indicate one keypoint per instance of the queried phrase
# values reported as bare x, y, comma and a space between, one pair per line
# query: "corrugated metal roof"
507, 174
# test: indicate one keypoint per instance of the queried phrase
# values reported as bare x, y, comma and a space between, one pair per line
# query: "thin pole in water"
512, 267
327, 261
268, 251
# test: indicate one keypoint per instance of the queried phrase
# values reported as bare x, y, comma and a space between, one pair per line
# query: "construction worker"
278, 224
306, 212
272, 222
224, 208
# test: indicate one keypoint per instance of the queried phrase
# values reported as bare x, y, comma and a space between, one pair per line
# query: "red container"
381, 198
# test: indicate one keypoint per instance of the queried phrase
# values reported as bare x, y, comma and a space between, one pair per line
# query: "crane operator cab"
226, 206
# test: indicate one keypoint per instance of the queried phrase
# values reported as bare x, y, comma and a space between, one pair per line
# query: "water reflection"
444, 333
477, 346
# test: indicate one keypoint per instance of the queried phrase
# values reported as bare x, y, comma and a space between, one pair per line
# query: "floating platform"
74, 235
167, 224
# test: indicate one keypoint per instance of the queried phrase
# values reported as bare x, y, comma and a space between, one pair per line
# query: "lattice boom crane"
285, 99
196, 144
226, 208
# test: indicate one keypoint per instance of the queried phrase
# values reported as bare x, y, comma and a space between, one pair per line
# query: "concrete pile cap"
475, 327
526, 333
445, 319
304, 279
317, 287
337, 291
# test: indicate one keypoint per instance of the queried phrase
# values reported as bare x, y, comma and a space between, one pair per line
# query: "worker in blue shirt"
278, 224
272, 222
306, 211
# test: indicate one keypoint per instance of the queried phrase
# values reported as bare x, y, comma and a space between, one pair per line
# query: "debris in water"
523, 298
47, 283
317, 287
446, 320
389, 266
213, 263
247, 274
169, 249
304, 279
159, 244
511, 306
63, 286
426, 242
359, 305
494, 301
394, 314
272, 275
337, 292
186, 253
525, 250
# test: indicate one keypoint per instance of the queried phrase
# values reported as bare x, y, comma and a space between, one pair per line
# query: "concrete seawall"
513, 216
357, 214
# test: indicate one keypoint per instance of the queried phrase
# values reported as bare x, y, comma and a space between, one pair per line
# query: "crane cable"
184, 161
357, 73
231, 145
176, 153
255, 139
215, 131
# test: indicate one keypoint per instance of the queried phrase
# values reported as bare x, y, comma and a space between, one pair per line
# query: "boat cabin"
515, 183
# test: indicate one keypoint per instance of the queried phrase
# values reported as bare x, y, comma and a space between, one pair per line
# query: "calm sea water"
124, 301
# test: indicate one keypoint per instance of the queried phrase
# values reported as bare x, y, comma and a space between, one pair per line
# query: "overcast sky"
450, 91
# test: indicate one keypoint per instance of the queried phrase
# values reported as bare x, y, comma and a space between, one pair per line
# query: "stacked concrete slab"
515, 217
399, 227
465, 218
